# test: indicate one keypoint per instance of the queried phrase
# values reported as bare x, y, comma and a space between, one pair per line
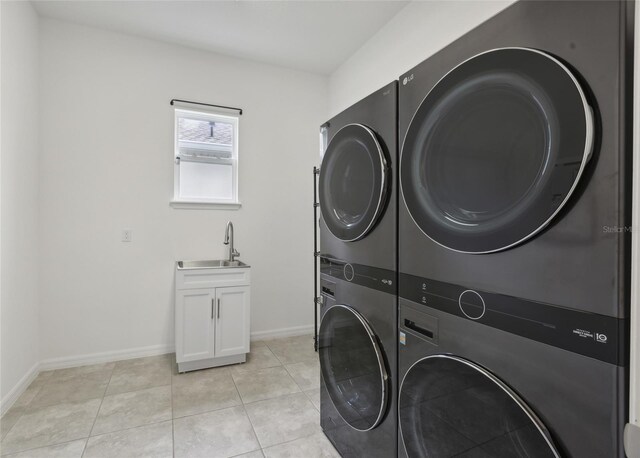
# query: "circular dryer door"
450, 407
353, 367
495, 150
353, 182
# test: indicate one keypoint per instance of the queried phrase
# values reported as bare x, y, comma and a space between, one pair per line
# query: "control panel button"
471, 304
348, 272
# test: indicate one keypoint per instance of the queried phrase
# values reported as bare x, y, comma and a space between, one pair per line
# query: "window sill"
195, 205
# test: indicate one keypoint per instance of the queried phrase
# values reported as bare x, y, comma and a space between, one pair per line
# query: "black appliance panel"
379, 309
378, 113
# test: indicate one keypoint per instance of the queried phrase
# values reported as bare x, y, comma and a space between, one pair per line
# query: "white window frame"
192, 202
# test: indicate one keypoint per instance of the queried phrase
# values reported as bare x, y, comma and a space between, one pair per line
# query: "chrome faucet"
228, 240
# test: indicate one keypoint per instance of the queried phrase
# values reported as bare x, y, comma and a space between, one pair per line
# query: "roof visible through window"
197, 130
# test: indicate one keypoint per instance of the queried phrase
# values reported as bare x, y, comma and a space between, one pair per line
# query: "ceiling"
313, 36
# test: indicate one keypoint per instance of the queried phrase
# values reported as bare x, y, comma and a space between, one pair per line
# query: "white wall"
419, 30
19, 196
107, 139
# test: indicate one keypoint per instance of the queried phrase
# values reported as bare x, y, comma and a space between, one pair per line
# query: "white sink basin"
210, 264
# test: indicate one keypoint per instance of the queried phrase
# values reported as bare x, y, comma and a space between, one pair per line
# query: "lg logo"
407, 79
602, 338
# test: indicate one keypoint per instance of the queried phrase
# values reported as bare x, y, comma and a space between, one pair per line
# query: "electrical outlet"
126, 235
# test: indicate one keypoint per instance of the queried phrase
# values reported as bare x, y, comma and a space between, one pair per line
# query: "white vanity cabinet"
212, 317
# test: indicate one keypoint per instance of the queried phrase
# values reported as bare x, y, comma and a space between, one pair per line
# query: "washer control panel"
359, 274
597, 336
472, 304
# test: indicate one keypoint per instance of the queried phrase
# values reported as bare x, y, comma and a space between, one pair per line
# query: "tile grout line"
43, 447
274, 351
91, 399
237, 390
46, 406
262, 400
104, 395
98, 412
302, 391
253, 428
278, 397
135, 391
128, 392
24, 408
51, 405
64, 380
139, 389
311, 400
86, 439
47, 381
292, 440
16, 422
157, 423
262, 449
117, 431
133, 427
290, 375
278, 358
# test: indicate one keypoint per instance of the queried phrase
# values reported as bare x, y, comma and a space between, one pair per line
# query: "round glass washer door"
449, 406
353, 182
495, 150
353, 367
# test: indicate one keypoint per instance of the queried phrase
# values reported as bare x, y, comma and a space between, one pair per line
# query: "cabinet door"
195, 324
232, 321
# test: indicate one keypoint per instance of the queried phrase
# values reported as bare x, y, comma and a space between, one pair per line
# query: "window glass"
205, 131
203, 179
206, 157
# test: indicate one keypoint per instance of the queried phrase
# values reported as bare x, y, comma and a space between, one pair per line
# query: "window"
206, 158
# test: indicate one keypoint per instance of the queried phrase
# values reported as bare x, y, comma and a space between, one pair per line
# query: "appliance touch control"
348, 272
472, 304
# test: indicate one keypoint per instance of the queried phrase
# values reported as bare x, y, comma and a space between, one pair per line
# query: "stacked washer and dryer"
513, 268
357, 340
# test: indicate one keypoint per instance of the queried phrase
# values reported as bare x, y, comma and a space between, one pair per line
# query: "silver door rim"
384, 375
504, 387
588, 148
383, 183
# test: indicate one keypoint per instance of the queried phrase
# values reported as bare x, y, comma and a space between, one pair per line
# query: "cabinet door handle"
218, 308
212, 308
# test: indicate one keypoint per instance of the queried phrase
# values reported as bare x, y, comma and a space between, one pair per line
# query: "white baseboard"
119, 355
153, 350
104, 357
13, 395
282, 332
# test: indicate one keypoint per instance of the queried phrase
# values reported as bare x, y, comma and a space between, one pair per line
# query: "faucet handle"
236, 252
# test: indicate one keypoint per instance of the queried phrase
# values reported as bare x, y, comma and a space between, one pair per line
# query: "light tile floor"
266, 407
